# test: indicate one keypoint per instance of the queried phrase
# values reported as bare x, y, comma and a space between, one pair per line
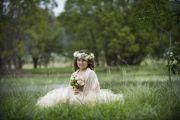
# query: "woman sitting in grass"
84, 85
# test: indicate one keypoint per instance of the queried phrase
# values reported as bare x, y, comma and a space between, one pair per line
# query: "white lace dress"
91, 93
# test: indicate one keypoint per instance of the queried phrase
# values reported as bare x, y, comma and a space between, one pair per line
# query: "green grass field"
148, 95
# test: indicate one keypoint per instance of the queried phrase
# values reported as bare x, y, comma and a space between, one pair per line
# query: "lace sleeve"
92, 83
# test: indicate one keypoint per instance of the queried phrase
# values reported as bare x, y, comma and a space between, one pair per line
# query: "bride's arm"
92, 83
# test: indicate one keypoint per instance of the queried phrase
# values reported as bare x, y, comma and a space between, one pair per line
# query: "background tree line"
118, 31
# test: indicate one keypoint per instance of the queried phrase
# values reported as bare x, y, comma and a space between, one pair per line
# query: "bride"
83, 87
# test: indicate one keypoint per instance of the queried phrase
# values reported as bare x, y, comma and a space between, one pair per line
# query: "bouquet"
76, 82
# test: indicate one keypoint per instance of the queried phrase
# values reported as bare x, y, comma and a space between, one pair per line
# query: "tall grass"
146, 92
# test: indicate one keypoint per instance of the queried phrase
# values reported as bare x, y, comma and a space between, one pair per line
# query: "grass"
148, 95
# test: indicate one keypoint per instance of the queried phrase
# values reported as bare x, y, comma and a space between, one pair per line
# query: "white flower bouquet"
76, 82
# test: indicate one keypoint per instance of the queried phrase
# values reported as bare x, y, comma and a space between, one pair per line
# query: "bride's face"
82, 64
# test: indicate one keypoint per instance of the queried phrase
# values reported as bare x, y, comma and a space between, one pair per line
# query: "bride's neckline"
82, 72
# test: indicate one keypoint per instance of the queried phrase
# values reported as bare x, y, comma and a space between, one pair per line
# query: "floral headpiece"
83, 55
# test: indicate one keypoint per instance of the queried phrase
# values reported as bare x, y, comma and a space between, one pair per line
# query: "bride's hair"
90, 61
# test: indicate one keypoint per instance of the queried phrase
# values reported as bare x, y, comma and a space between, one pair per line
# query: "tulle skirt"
66, 95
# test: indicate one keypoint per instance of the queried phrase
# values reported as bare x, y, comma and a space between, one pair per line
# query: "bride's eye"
83, 60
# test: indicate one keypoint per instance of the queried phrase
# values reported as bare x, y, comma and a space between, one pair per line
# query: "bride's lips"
80, 65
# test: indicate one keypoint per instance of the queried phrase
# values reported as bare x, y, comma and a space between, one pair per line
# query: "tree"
104, 26
19, 23
158, 17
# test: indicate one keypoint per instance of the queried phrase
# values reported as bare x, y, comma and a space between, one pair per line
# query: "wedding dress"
90, 94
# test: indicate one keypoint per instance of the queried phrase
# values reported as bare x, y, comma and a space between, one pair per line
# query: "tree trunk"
97, 59
9, 63
20, 63
1, 65
1, 9
35, 62
111, 60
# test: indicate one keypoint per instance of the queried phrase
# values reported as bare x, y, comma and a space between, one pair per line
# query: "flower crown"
83, 55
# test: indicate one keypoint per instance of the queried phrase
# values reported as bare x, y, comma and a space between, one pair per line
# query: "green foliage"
159, 17
27, 29
21, 48
174, 62
124, 31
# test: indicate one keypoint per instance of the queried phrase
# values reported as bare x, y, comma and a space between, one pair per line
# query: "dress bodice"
91, 81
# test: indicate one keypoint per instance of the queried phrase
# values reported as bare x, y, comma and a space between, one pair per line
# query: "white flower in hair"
83, 55
76, 53
87, 57
91, 55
